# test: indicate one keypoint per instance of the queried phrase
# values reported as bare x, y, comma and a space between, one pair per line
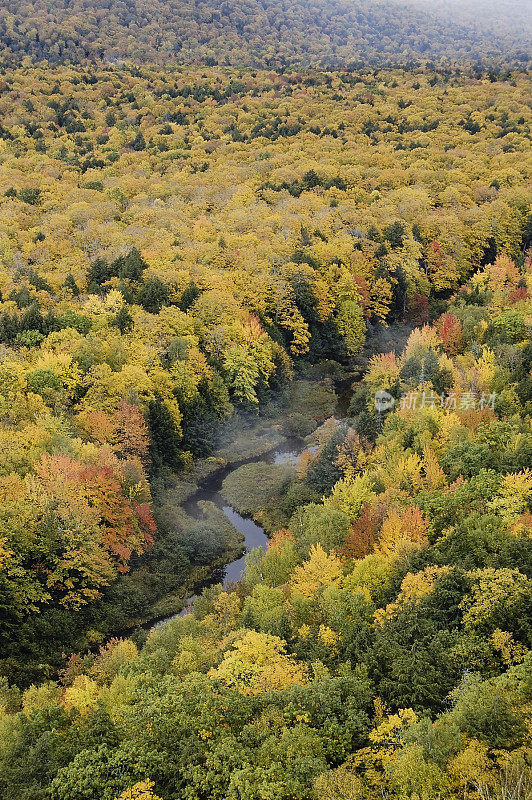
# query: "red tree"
364, 533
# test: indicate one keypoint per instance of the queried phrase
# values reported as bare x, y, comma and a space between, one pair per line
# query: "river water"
384, 340
254, 535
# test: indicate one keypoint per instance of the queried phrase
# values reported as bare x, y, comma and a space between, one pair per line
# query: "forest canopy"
380, 646
275, 33
142, 305
277, 255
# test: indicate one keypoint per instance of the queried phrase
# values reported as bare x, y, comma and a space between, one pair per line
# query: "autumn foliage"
364, 532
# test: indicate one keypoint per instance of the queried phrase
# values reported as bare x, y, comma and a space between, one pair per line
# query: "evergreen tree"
131, 266
190, 294
324, 473
71, 284
33, 320
153, 295
138, 143
123, 320
98, 273
164, 437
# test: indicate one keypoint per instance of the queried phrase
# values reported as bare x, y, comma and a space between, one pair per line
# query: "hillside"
265, 400
260, 33
379, 648
174, 245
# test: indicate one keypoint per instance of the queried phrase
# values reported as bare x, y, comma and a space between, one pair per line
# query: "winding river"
287, 453
254, 535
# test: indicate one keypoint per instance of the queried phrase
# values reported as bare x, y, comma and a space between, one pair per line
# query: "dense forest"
225, 229
267, 33
380, 647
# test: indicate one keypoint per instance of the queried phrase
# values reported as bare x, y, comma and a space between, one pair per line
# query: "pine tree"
164, 437
123, 320
153, 295
71, 284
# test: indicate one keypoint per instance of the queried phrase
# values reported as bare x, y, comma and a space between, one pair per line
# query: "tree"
243, 374
129, 432
451, 334
123, 320
315, 524
190, 293
351, 325
130, 267
164, 436
153, 295
102, 772
258, 663
411, 661
82, 695
71, 285
138, 143
143, 790
324, 472
500, 598
319, 571
98, 273
264, 610
403, 532
349, 494
441, 267
338, 784
412, 775
483, 711
364, 532
276, 565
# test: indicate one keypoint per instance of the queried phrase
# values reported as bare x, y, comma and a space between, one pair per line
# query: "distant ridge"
265, 33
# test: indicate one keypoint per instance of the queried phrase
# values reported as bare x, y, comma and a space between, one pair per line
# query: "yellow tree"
259, 663
403, 533
319, 571
349, 494
143, 790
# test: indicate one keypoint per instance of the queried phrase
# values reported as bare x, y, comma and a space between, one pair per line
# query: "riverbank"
209, 494
269, 447
196, 540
